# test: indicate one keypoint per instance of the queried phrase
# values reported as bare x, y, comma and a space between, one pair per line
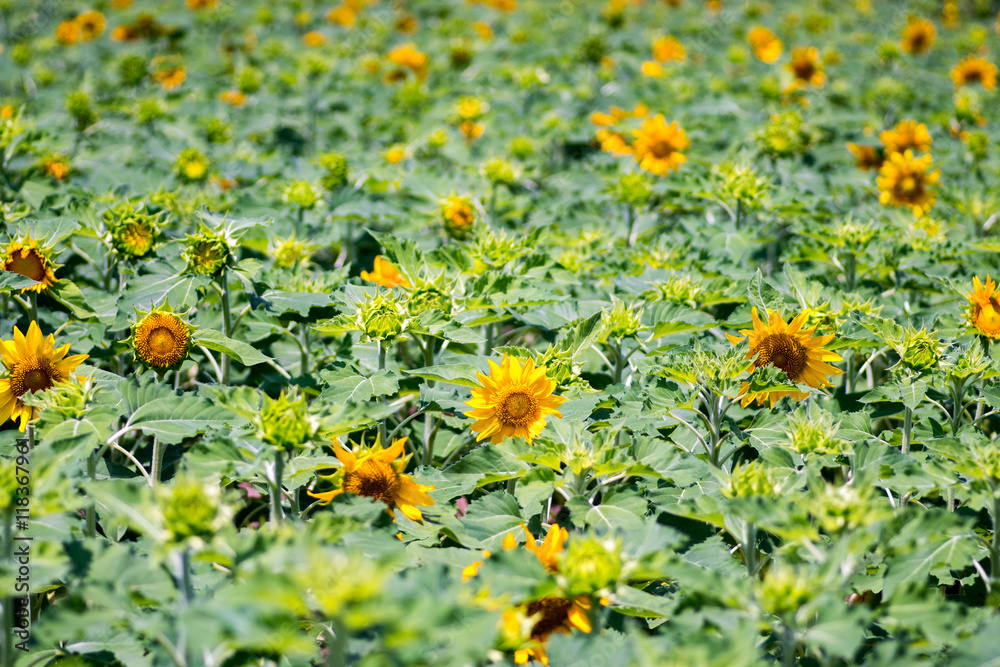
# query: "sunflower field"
584, 333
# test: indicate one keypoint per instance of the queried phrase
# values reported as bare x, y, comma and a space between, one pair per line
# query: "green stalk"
750, 548
995, 541
33, 299
304, 361
156, 466
907, 428
227, 326
275, 487
630, 223
428, 349
381, 367
92, 507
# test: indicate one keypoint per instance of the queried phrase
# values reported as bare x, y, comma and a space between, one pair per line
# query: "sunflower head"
459, 216
161, 338
33, 364
907, 135
973, 69
918, 36
658, 147
377, 473
285, 422
867, 158
27, 256
385, 274
207, 253
514, 400
765, 44
983, 313
191, 165
806, 67
798, 353
132, 231
289, 252
905, 181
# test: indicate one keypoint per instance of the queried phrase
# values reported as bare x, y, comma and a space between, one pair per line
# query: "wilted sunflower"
868, 158
27, 257
918, 36
907, 135
160, 338
806, 67
378, 475
385, 274
905, 180
984, 307
798, 353
33, 364
765, 44
658, 146
513, 401
973, 69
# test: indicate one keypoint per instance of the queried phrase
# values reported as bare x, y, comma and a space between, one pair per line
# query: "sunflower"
658, 146
918, 36
806, 67
385, 274
378, 475
904, 181
867, 158
613, 142
160, 338
207, 252
92, 24
668, 49
459, 216
408, 57
984, 307
907, 135
56, 167
26, 257
798, 353
513, 401
973, 69
33, 364
765, 44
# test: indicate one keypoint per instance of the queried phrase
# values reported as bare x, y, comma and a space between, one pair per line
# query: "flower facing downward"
513, 401
975, 70
984, 307
377, 474
658, 146
33, 364
161, 339
798, 353
904, 181
27, 257
385, 274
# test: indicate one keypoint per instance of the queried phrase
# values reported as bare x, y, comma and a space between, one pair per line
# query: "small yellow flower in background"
408, 57
377, 474
168, 72
907, 135
459, 216
614, 142
806, 67
798, 353
658, 146
121, 4
233, 97
651, 69
395, 154
984, 307
7, 111
385, 274
27, 257
471, 130
904, 181
765, 44
160, 338
314, 38
868, 158
513, 401
33, 364
343, 16
918, 36
949, 14
471, 108
68, 32
484, 30
973, 69
669, 50
192, 165
56, 167
92, 24
197, 5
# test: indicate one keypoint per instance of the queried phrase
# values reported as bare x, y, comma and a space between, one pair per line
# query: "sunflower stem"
429, 432
92, 507
381, 399
488, 347
227, 325
156, 466
33, 300
907, 427
298, 222
750, 548
275, 488
630, 222
304, 348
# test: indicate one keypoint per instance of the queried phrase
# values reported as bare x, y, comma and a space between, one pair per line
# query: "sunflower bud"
217, 131
522, 148
459, 217
161, 339
786, 135
149, 110
337, 171
79, 107
132, 231
921, 350
738, 182
382, 317
289, 252
132, 70
634, 190
593, 49
285, 423
207, 253
191, 165
499, 172
558, 364
428, 298
591, 564
190, 509
437, 139
73, 399
620, 321
749, 480
302, 193
784, 590
813, 432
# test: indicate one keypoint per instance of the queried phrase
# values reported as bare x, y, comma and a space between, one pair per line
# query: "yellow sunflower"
377, 474
765, 44
613, 142
513, 401
918, 36
904, 181
984, 307
668, 49
160, 338
806, 67
798, 353
867, 158
385, 274
34, 364
459, 216
907, 135
27, 257
973, 69
658, 146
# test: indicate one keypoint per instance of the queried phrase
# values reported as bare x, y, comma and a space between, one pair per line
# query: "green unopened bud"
428, 298
382, 317
249, 80
21, 54
149, 110
740, 183
79, 107
191, 165
558, 364
302, 193
591, 564
749, 480
217, 131
843, 507
677, 289
336, 167
285, 422
190, 509
620, 321
499, 171
132, 70
73, 399
522, 148
978, 144
785, 589
921, 350
633, 189
459, 217
813, 431
207, 253
593, 49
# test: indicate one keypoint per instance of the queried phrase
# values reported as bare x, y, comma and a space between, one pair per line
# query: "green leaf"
240, 352
463, 374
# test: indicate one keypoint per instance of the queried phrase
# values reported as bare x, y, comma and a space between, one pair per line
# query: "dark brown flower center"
373, 479
784, 352
661, 149
553, 614
33, 374
804, 69
517, 409
31, 265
